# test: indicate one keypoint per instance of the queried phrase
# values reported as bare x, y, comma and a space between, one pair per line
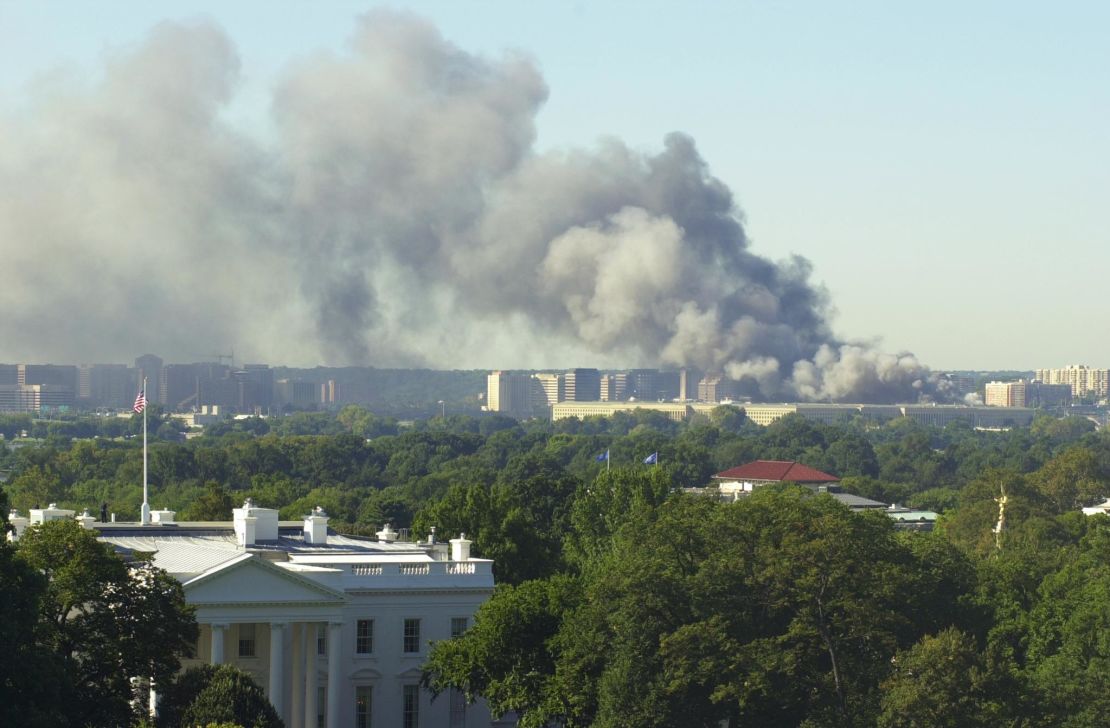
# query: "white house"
336, 628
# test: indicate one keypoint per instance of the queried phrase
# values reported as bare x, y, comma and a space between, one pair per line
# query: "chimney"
85, 519
253, 523
19, 523
316, 527
387, 534
460, 548
245, 523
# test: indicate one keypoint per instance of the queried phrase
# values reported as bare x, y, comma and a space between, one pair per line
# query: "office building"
509, 393
1005, 394
547, 390
149, 369
582, 385
296, 393
112, 386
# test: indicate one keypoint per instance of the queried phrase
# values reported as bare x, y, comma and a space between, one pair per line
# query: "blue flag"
603, 457
651, 459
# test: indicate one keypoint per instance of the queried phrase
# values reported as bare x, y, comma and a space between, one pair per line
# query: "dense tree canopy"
82, 622
624, 602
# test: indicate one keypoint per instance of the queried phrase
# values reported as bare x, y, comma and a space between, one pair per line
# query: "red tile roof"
776, 470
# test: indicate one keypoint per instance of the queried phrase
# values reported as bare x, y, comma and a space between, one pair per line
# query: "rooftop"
776, 471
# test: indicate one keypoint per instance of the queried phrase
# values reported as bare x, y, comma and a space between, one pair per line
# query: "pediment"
249, 580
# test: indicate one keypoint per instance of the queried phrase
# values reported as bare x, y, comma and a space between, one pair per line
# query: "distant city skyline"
939, 166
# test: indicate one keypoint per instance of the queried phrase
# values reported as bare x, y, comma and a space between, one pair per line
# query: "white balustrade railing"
430, 569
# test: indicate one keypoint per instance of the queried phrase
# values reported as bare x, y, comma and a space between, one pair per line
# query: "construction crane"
221, 357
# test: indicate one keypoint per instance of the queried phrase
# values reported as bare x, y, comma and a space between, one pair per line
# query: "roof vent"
387, 534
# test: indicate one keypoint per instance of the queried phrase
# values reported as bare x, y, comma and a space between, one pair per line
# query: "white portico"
335, 628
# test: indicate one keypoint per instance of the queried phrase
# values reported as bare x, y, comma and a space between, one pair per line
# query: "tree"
214, 504
106, 621
216, 694
505, 656
28, 675
944, 682
1071, 480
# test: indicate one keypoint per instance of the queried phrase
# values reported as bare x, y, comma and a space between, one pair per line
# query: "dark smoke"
398, 215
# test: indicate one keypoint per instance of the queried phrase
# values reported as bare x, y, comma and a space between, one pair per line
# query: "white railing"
421, 570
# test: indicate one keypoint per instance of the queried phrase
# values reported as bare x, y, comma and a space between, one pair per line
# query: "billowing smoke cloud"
397, 214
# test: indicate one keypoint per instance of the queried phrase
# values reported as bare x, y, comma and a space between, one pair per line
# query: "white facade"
336, 629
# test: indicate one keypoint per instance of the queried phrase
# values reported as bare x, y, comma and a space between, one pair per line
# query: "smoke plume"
397, 213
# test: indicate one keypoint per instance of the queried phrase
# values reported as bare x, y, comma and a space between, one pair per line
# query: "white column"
296, 690
218, 643
335, 636
153, 700
311, 678
277, 667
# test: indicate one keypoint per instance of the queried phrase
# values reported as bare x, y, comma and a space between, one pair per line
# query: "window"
364, 637
364, 705
321, 706
458, 709
412, 635
458, 626
246, 640
410, 711
321, 642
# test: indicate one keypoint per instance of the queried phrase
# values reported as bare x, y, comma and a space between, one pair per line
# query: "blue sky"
941, 164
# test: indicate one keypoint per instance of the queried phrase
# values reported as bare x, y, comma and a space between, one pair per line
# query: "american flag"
140, 402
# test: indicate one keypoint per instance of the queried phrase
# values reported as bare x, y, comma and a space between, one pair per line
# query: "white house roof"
186, 550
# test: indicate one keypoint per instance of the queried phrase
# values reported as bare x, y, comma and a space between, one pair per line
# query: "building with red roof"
763, 472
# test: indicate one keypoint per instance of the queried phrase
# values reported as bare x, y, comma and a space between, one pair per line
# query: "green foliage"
778, 609
102, 621
943, 681
216, 695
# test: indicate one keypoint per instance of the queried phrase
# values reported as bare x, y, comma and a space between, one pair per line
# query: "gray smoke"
397, 214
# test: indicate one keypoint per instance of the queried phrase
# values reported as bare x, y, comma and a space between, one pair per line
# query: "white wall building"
335, 628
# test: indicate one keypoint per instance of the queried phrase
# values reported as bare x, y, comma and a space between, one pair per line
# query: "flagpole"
146, 502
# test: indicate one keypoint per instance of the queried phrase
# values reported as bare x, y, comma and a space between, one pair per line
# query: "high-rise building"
149, 369
614, 387
1005, 394
35, 397
643, 384
185, 386
9, 374
716, 388
1039, 394
548, 390
1083, 380
582, 385
107, 385
510, 393
256, 387
297, 393
60, 375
